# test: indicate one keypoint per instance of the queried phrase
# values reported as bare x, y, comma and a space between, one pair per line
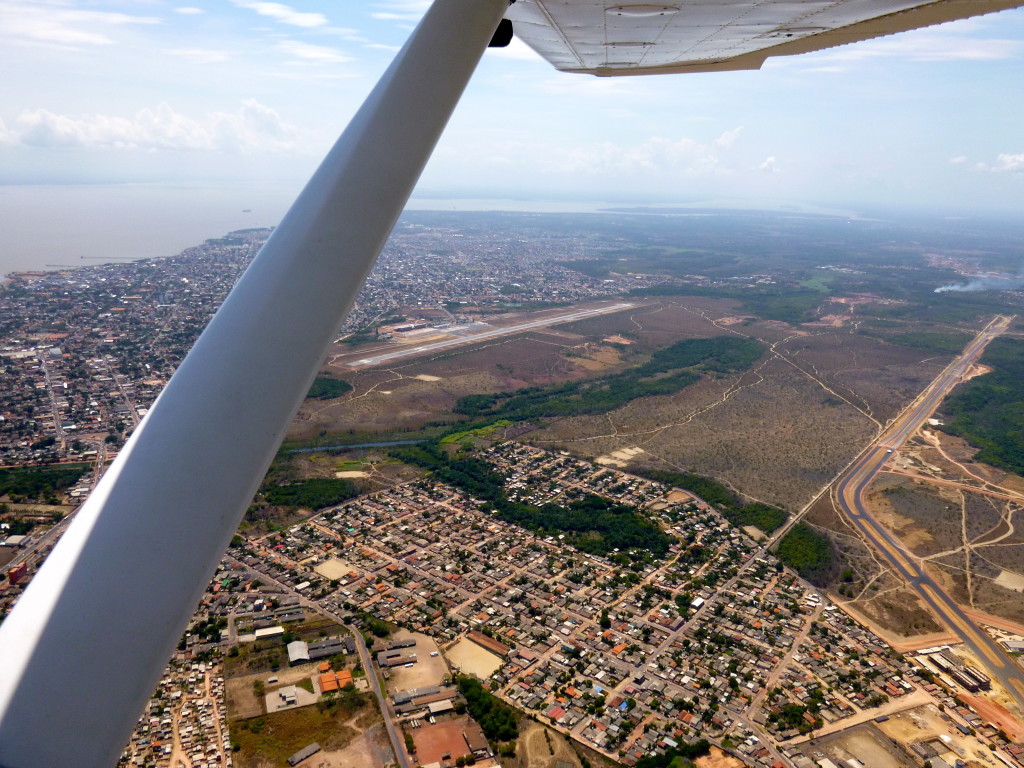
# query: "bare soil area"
718, 759
473, 659
866, 744
533, 750
428, 670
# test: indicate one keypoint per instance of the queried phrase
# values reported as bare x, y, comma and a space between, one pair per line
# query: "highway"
850, 496
495, 332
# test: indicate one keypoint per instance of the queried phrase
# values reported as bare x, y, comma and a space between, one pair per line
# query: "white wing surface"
609, 37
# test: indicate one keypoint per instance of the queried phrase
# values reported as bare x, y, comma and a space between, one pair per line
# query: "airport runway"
850, 493
419, 349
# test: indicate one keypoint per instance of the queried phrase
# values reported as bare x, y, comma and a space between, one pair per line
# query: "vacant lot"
866, 744
428, 670
270, 739
472, 659
333, 568
533, 750
443, 740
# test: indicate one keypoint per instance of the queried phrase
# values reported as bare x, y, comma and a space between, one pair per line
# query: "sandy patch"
753, 532
360, 753
718, 759
1010, 580
977, 370
866, 744
333, 568
351, 473
679, 497
471, 658
617, 340
426, 377
619, 458
734, 319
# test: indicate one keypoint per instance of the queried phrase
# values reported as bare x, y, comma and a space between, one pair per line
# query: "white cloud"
770, 165
1008, 164
683, 156
402, 10
728, 138
6, 136
284, 13
314, 53
200, 55
954, 41
54, 24
958, 160
254, 127
189, 11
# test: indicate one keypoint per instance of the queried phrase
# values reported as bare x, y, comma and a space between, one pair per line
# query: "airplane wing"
83, 649
611, 38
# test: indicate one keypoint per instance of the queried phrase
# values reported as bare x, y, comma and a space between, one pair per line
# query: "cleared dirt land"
866, 744
270, 739
534, 750
718, 759
472, 659
927, 724
333, 568
428, 670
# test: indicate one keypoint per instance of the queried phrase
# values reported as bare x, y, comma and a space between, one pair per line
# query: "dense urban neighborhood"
471, 598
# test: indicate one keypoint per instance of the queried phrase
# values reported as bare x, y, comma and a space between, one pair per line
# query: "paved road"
850, 494
485, 335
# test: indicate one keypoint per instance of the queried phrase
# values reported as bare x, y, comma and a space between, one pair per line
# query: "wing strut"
85, 646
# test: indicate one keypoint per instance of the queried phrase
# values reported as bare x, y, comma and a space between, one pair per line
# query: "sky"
247, 96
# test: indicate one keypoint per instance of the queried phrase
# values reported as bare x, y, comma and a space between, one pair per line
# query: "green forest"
988, 411
498, 721
762, 516
326, 388
807, 552
39, 482
317, 493
668, 371
591, 524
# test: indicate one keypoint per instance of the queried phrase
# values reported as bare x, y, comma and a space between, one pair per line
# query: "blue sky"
239, 93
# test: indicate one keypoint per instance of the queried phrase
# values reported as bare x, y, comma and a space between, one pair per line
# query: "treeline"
499, 721
326, 388
39, 482
988, 411
807, 552
763, 516
316, 493
592, 524
668, 371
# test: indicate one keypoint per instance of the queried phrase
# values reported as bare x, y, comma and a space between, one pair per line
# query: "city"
376, 618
